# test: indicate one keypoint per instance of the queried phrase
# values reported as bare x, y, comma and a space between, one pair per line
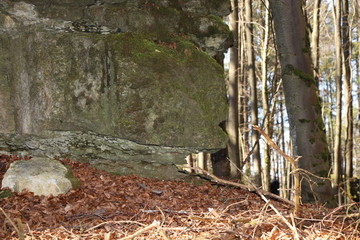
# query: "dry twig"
19, 229
112, 222
294, 162
292, 227
154, 224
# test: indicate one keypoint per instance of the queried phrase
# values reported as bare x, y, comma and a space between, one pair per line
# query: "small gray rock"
42, 176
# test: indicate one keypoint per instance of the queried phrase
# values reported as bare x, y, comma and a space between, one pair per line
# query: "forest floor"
129, 207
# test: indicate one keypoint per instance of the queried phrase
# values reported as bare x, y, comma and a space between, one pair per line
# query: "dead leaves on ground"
130, 207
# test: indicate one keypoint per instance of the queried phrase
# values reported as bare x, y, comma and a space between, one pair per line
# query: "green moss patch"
5, 194
75, 182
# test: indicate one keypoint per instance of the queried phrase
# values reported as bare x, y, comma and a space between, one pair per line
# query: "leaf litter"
108, 207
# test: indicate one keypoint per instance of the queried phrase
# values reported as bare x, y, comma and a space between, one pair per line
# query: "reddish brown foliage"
121, 204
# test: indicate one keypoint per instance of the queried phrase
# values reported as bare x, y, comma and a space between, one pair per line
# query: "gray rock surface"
106, 153
42, 176
130, 82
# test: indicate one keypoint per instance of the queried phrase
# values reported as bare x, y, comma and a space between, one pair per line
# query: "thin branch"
20, 232
294, 162
242, 186
113, 222
154, 224
292, 227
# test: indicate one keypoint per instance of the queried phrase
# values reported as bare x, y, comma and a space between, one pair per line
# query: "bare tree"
243, 93
202, 160
357, 77
315, 39
348, 121
302, 102
253, 91
265, 97
233, 120
338, 80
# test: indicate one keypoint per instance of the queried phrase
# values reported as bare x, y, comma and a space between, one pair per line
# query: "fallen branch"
167, 211
212, 219
112, 222
215, 179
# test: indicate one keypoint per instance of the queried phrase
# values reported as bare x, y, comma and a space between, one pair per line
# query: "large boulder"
42, 176
130, 81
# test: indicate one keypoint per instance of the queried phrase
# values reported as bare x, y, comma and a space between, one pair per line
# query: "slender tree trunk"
243, 93
357, 81
190, 162
265, 101
286, 164
348, 156
315, 40
302, 102
338, 82
253, 91
202, 161
329, 114
232, 121
290, 185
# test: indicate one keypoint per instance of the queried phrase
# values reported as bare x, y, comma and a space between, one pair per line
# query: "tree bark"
190, 163
202, 160
243, 94
357, 81
315, 40
265, 101
338, 81
348, 126
302, 101
232, 121
253, 91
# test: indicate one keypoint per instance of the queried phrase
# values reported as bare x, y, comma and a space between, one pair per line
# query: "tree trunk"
328, 114
357, 81
202, 160
190, 162
302, 101
243, 94
253, 91
315, 40
232, 121
286, 165
265, 102
338, 82
348, 156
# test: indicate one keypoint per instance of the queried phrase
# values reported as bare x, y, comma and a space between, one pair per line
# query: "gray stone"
42, 176
206, 7
121, 85
118, 80
106, 153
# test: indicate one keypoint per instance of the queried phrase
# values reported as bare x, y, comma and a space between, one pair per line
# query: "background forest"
256, 93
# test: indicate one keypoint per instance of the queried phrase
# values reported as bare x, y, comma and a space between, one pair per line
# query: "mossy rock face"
124, 85
133, 70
